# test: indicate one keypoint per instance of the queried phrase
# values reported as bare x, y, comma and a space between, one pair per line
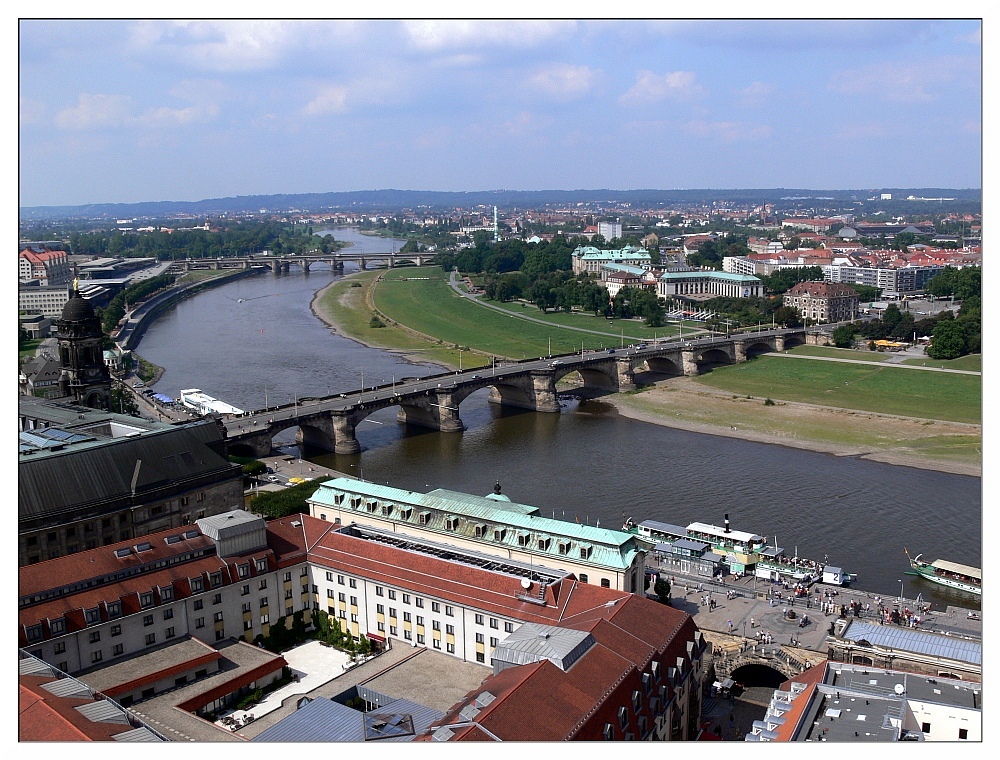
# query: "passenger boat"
950, 574
741, 552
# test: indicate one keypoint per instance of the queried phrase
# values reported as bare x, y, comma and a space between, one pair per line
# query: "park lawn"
347, 306
431, 307
840, 353
884, 389
970, 363
606, 330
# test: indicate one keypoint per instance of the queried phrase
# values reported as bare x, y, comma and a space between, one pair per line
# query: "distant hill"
390, 200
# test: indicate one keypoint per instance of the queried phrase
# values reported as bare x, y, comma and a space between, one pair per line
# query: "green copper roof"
709, 275
516, 526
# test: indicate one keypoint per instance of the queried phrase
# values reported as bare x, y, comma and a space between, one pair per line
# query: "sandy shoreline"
676, 403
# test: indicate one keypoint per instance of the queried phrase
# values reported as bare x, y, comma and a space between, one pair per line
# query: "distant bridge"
329, 423
283, 262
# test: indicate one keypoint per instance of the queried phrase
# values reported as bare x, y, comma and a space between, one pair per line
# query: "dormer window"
387, 510
586, 551
523, 539
499, 533
425, 518
544, 543
451, 523
481, 531
564, 547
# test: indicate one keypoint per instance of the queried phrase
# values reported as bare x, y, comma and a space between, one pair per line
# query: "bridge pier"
626, 375
689, 362
437, 412
344, 440
538, 394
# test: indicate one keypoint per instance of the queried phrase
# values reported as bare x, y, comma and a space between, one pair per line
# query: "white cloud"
95, 112
916, 82
652, 88
756, 94
728, 131
433, 35
174, 117
562, 82
329, 99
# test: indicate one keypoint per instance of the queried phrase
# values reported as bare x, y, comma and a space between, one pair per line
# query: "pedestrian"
752, 624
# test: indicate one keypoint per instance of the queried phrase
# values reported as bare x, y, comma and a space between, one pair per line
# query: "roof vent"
122, 553
296, 523
145, 546
189, 534
172, 539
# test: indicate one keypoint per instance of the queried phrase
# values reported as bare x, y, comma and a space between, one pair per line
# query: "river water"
587, 463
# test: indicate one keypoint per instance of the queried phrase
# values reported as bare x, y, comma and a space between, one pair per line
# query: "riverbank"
683, 403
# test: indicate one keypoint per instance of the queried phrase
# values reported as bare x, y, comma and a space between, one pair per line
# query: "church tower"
85, 377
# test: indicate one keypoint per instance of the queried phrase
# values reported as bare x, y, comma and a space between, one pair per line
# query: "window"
406, 598
290, 610
199, 623
35, 633
244, 589
436, 625
263, 602
437, 643
494, 623
392, 612
248, 625
480, 657
150, 639
147, 620
925, 727
963, 734
342, 597
508, 627
450, 630
450, 647
479, 619
243, 571
354, 582
60, 647
198, 604
605, 583
116, 630
329, 576
449, 610
340, 579
288, 593
305, 588
407, 634
197, 584
95, 636
406, 616
379, 591
435, 606
287, 577
218, 617
262, 565
96, 656
479, 638
392, 594
246, 607
168, 614
381, 627
354, 617
354, 601
220, 634
420, 638
419, 601
420, 619
216, 579
114, 610
583, 579
169, 633
494, 641
117, 650
303, 572
217, 599
393, 630
59, 624
263, 584
94, 615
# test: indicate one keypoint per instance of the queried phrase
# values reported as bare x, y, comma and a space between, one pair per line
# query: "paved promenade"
751, 612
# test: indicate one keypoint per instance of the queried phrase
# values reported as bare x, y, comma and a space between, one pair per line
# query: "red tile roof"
45, 717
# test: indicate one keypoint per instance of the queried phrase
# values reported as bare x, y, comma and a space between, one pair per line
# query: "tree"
948, 341
662, 590
843, 336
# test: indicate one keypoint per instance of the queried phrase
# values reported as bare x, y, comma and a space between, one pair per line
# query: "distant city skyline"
116, 111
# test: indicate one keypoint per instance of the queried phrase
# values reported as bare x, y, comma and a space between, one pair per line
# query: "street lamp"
900, 590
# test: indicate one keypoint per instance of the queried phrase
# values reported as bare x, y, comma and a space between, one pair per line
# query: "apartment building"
49, 268
823, 301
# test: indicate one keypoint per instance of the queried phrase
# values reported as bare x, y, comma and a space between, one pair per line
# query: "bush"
768, 402
376, 322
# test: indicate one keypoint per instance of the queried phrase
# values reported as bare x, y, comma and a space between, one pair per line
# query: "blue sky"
126, 111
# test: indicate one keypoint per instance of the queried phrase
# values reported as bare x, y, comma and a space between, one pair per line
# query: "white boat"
950, 574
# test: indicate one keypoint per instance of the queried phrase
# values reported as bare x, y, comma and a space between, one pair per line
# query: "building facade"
823, 301
590, 259
49, 268
88, 478
491, 524
707, 284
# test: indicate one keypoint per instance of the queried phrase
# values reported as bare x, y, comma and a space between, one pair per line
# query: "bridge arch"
671, 365
711, 357
756, 348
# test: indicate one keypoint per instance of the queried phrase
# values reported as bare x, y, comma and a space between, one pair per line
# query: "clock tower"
85, 377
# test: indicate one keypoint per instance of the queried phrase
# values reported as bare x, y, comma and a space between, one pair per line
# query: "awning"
375, 637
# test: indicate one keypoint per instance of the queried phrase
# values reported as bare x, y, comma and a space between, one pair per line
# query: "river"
587, 463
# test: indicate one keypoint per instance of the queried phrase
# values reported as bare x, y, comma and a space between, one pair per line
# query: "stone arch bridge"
434, 402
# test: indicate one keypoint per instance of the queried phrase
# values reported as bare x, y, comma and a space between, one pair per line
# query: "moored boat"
740, 552
945, 573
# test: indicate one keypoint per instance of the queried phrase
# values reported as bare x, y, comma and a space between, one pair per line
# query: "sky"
144, 110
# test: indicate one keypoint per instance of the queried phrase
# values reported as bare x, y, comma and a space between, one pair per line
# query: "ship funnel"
727, 523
